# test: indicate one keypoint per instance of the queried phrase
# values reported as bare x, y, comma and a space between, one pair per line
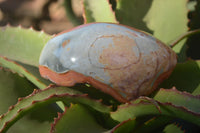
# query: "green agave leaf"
179, 98
124, 127
10, 87
168, 20
43, 97
30, 72
76, 119
27, 125
142, 125
139, 125
186, 77
35, 72
154, 125
172, 128
98, 11
13, 86
144, 108
23, 45
5, 62
132, 13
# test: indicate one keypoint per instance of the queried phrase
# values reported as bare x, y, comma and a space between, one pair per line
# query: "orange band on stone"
70, 78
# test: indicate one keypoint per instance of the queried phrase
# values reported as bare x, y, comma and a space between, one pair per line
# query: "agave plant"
30, 103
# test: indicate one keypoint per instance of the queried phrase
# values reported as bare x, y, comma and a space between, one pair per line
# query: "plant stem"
189, 33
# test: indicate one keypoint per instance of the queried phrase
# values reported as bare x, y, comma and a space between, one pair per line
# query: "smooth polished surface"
129, 61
